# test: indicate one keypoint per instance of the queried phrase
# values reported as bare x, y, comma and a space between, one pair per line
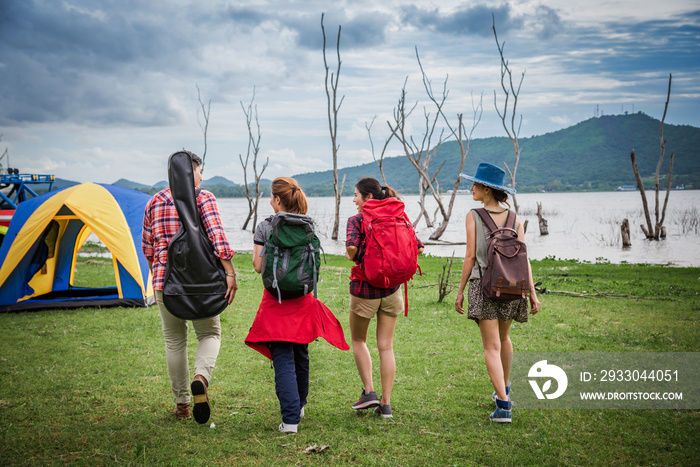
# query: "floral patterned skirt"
481, 307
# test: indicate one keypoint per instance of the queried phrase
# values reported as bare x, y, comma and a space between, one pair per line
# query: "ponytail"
389, 192
500, 196
370, 186
292, 197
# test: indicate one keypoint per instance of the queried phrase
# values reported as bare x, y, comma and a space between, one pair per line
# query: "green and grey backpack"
291, 256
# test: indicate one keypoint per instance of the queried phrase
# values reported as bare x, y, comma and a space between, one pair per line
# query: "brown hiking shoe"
202, 409
182, 411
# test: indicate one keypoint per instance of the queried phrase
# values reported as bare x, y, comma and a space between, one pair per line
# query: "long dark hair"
371, 186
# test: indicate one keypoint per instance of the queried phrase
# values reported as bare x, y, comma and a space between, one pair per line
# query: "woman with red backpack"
368, 300
493, 316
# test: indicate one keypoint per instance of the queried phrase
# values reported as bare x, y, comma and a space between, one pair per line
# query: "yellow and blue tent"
39, 252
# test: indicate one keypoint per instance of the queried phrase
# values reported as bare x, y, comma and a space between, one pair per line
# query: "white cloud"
99, 94
560, 120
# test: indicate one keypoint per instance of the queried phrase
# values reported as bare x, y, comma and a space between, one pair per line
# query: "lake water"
582, 226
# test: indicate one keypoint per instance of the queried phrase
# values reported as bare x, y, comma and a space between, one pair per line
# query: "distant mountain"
133, 185
61, 183
218, 181
591, 155
220, 186
57, 184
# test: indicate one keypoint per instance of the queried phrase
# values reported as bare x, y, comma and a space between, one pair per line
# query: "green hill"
217, 181
591, 155
133, 185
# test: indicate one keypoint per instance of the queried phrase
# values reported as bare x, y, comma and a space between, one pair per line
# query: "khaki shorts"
391, 305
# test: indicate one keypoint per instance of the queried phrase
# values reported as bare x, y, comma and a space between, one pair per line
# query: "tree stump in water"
625, 231
543, 221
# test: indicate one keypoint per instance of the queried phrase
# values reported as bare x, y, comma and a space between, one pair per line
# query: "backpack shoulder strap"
486, 219
511, 220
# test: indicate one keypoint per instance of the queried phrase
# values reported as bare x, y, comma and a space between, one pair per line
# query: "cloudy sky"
102, 90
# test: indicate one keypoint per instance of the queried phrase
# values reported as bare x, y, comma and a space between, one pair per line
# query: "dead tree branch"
421, 156
648, 230
509, 90
380, 162
331, 85
658, 230
253, 148
445, 287
206, 111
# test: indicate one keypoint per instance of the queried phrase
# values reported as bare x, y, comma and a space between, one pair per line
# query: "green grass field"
90, 386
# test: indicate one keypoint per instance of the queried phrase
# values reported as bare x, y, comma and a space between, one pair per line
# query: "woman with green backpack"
494, 315
286, 254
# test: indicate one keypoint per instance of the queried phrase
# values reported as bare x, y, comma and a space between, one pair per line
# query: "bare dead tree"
445, 286
510, 90
205, 127
625, 233
253, 148
660, 229
380, 162
657, 230
421, 155
542, 221
331, 84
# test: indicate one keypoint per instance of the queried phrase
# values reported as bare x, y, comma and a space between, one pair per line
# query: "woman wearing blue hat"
493, 317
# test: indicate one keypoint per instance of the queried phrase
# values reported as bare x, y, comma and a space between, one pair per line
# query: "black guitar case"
195, 280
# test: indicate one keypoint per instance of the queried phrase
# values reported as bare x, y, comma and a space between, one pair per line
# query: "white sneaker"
301, 414
287, 428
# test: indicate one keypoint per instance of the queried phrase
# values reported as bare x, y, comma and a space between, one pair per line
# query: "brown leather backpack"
506, 276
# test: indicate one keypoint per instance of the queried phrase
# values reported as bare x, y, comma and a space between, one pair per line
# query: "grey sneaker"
366, 401
384, 410
287, 428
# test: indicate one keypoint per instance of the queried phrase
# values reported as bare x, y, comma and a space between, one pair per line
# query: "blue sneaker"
493, 396
366, 401
502, 414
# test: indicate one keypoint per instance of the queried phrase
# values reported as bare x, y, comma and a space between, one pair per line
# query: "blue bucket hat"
491, 176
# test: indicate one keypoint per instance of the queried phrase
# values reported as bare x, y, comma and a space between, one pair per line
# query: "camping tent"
38, 254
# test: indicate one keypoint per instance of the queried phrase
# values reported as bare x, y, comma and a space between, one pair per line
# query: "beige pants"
175, 330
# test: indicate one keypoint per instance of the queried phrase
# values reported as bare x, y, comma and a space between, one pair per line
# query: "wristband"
231, 275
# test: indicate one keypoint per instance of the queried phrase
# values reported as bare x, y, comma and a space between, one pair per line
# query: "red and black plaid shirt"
161, 223
355, 237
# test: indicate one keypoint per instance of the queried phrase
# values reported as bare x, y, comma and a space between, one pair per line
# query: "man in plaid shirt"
160, 224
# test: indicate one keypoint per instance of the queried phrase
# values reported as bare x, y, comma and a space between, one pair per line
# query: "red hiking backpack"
391, 249
505, 277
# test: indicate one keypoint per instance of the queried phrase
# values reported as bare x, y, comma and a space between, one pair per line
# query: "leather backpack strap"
486, 219
512, 216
